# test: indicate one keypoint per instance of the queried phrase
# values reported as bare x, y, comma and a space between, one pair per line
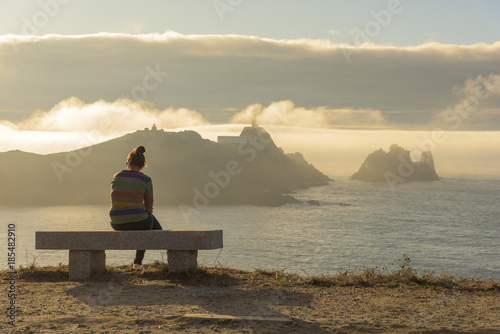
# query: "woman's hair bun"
136, 157
140, 149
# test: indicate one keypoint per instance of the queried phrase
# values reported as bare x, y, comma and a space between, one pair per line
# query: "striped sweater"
131, 197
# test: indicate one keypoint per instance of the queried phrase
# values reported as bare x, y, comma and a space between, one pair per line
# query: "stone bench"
87, 248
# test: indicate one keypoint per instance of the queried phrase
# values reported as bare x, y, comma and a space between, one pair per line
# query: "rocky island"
396, 165
186, 170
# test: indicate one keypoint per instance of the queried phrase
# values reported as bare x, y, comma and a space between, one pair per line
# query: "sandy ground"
233, 301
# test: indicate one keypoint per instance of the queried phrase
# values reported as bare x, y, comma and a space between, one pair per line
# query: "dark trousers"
150, 223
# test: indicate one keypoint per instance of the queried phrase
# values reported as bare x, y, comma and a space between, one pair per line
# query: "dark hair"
136, 157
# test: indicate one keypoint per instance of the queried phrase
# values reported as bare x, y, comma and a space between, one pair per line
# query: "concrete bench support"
182, 261
87, 248
82, 264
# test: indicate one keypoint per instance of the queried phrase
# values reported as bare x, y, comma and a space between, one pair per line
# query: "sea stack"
381, 166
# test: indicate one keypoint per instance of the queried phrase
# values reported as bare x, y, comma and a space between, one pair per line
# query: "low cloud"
125, 115
475, 104
7, 126
286, 113
121, 115
481, 87
213, 74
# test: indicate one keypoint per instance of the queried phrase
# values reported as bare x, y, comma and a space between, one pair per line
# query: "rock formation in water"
396, 165
186, 170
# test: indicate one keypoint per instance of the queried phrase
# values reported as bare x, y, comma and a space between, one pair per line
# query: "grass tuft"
405, 276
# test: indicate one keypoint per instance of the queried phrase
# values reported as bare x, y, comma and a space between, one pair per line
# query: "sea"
451, 226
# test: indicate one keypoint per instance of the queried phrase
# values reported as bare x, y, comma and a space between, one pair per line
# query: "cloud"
286, 113
475, 103
215, 74
7, 126
480, 87
121, 115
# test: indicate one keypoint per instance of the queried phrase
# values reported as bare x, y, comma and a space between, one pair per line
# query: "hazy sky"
77, 66
417, 22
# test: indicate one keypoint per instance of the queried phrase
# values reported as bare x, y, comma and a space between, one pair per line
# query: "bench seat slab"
109, 239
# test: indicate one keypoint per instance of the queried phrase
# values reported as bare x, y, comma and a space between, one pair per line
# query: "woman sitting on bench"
132, 199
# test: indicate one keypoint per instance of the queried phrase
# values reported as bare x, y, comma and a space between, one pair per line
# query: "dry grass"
371, 277
221, 276
45, 273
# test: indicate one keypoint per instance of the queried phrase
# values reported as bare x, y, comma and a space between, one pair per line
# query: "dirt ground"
222, 300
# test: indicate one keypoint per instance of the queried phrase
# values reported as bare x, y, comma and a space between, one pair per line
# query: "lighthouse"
254, 122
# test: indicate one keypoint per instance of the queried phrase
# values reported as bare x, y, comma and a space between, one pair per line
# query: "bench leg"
180, 261
82, 264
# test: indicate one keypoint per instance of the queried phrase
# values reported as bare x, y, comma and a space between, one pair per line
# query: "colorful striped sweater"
131, 197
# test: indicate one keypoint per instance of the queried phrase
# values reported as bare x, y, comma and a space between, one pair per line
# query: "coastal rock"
396, 164
186, 170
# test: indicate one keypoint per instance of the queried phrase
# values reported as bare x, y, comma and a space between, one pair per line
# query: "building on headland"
153, 128
241, 139
254, 122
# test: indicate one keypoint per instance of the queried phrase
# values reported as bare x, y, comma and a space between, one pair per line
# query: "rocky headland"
396, 165
186, 170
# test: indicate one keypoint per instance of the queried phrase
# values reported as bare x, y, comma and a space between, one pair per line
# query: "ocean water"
451, 226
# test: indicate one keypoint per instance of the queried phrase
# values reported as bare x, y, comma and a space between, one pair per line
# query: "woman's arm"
148, 197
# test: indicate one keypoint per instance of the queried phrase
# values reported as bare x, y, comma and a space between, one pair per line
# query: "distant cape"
186, 170
396, 165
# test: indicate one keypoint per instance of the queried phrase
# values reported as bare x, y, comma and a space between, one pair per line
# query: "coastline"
224, 300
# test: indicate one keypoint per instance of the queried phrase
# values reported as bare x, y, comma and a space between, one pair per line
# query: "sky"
70, 69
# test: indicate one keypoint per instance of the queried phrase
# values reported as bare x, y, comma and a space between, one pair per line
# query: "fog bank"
336, 152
